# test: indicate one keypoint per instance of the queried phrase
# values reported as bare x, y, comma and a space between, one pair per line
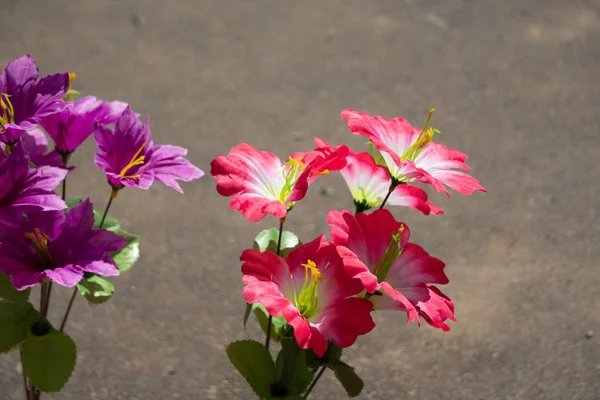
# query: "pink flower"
375, 249
312, 291
369, 184
261, 184
410, 153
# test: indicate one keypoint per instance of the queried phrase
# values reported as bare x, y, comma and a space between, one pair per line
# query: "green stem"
113, 194
270, 322
314, 382
392, 187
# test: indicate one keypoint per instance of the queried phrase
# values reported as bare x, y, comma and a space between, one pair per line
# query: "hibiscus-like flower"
397, 274
71, 126
57, 246
25, 98
312, 291
25, 189
410, 153
261, 184
370, 184
129, 158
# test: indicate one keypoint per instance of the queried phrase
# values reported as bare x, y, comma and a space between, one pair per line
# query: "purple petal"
168, 165
80, 220
106, 241
46, 178
68, 276
25, 279
103, 268
18, 73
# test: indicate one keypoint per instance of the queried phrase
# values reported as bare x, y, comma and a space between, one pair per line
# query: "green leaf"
254, 362
15, 321
278, 324
247, 313
297, 374
289, 397
331, 356
49, 360
267, 241
130, 254
96, 289
9, 293
346, 375
73, 202
110, 223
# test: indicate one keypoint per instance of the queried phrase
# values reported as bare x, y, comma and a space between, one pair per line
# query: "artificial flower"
58, 246
396, 273
129, 158
312, 291
36, 146
410, 153
25, 98
23, 188
261, 184
370, 184
71, 126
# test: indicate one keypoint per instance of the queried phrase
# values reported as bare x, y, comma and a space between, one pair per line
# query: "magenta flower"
261, 184
24, 98
398, 274
36, 146
369, 184
312, 291
71, 126
411, 155
129, 158
58, 246
25, 189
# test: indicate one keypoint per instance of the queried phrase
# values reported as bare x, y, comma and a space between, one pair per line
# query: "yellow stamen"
7, 112
135, 161
425, 136
307, 301
290, 174
40, 243
72, 77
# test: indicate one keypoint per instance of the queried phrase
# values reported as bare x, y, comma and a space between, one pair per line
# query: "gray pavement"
516, 85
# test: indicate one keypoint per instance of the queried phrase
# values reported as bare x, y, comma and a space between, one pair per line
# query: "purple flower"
24, 98
36, 145
71, 126
58, 246
25, 189
129, 158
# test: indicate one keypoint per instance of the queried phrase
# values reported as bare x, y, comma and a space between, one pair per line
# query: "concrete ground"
516, 86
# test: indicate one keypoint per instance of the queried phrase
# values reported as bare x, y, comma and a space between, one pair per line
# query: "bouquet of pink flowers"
316, 298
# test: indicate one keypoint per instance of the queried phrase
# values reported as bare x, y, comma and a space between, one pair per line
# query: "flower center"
135, 161
307, 301
392, 253
291, 171
7, 112
40, 244
425, 137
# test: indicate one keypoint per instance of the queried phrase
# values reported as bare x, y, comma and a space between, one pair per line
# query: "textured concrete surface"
516, 85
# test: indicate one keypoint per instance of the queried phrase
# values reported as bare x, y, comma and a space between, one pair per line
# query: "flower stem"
113, 194
64, 320
314, 382
392, 187
270, 322
65, 160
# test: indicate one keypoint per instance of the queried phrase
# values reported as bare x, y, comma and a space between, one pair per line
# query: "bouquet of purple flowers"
48, 239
